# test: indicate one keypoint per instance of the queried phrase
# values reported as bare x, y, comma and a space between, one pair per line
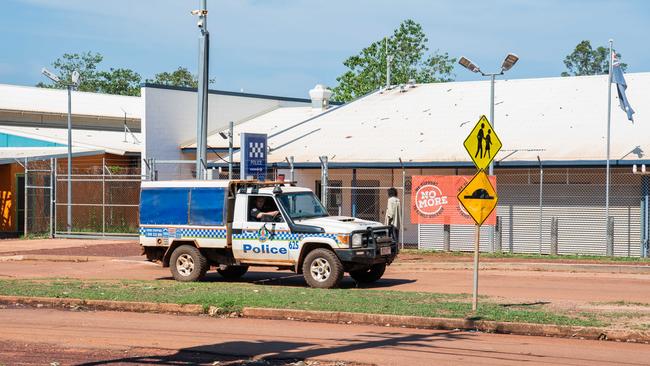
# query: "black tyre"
232, 272
188, 264
322, 269
369, 275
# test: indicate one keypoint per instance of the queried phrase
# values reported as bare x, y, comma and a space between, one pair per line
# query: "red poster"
433, 200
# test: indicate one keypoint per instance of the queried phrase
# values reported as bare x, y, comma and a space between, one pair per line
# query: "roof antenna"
389, 58
127, 129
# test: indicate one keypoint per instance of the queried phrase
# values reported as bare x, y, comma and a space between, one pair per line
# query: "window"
206, 206
165, 206
302, 205
262, 204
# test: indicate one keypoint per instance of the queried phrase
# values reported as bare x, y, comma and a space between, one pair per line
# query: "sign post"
253, 156
479, 197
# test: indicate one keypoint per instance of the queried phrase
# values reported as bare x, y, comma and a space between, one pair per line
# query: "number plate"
384, 251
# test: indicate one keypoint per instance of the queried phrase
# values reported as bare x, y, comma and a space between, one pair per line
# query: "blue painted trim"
10, 140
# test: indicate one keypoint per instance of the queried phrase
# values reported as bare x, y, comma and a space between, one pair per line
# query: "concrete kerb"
404, 321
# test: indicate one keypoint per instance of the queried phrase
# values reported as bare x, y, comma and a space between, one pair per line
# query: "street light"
70, 85
510, 61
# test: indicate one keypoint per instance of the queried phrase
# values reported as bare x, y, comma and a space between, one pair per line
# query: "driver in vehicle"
258, 212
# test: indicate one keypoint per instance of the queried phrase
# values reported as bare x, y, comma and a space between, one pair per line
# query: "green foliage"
120, 81
584, 60
367, 70
180, 77
114, 81
235, 296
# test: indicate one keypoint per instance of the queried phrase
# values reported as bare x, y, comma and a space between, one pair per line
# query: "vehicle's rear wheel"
369, 275
232, 272
322, 269
188, 264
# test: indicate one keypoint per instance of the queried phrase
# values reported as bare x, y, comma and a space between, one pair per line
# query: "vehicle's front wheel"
188, 264
232, 272
322, 269
369, 275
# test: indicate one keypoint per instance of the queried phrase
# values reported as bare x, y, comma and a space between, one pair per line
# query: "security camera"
200, 23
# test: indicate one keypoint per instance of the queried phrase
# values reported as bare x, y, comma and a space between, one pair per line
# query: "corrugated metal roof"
108, 141
270, 123
11, 154
44, 100
560, 119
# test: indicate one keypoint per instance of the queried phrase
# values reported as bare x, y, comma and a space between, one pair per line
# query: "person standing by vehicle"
393, 211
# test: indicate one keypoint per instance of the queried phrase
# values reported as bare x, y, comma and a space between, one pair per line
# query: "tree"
367, 70
114, 81
119, 81
85, 63
584, 60
180, 77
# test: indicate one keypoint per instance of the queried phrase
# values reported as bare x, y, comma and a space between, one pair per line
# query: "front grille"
378, 236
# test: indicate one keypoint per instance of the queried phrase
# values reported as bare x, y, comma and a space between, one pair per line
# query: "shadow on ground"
281, 353
297, 280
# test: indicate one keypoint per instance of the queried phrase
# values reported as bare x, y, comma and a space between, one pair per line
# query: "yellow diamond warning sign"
479, 198
482, 144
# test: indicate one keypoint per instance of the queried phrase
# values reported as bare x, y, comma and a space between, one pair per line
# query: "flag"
621, 86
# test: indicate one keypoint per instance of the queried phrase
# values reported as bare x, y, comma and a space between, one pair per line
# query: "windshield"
302, 205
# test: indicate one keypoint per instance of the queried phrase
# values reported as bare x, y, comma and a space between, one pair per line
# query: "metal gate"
37, 209
104, 202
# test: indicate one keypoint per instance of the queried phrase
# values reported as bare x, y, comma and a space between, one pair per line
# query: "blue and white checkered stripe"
221, 234
183, 232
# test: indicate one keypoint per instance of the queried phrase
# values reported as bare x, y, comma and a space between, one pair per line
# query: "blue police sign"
253, 156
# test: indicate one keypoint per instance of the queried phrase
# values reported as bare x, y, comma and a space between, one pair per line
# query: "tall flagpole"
609, 120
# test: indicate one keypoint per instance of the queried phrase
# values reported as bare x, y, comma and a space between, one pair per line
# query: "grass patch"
235, 296
526, 256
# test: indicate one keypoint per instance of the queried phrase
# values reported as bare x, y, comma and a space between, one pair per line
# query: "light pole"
510, 60
202, 90
73, 83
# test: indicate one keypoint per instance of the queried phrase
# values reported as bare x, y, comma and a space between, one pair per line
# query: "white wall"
169, 120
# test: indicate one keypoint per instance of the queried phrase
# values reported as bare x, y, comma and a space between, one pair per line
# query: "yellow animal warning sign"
482, 144
479, 198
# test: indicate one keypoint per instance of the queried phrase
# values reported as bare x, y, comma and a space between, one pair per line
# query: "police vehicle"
192, 226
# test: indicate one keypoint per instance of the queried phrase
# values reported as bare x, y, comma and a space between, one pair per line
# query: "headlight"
357, 240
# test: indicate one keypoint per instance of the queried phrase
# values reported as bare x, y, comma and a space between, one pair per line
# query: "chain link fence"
38, 183
541, 210
105, 200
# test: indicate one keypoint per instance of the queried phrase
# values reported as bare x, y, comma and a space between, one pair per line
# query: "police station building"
550, 171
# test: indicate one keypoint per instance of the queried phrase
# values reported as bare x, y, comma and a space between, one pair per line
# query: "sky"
285, 47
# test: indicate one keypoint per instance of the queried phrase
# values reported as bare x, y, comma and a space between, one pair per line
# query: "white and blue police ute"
192, 226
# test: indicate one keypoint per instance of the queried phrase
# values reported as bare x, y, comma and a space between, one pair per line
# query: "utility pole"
202, 92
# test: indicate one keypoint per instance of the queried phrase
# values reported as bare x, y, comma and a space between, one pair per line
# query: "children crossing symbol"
482, 144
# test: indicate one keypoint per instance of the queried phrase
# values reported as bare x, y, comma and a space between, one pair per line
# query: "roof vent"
320, 97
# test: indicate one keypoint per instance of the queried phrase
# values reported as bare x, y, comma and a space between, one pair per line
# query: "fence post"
51, 195
554, 236
446, 237
402, 204
104, 167
541, 212
498, 235
324, 177
25, 210
610, 236
54, 200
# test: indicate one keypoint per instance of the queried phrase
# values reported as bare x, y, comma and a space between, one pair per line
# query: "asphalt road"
174, 336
